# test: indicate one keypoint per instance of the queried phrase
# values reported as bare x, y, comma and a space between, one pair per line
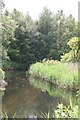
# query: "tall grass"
62, 74
62, 112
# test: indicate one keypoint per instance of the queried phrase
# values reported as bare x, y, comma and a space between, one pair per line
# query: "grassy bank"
64, 75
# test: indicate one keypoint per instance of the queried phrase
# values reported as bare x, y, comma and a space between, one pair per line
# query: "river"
25, 97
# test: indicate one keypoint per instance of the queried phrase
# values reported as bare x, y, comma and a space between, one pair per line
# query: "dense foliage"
74, 53
67, 112
25, 41
63, 112
2, 74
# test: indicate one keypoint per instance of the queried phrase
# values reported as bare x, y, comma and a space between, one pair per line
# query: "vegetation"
51, 42
63, 95
63, 109
66, 112
74, 53
2, 74
25, 41
6, 117
63, 112
65, 75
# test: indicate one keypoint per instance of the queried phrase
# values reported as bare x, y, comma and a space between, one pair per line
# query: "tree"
20, 49
46, 30
26, 41
74, 53
2, 5
8, 27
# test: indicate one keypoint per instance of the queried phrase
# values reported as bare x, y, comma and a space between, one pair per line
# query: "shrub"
66, 112
2, 74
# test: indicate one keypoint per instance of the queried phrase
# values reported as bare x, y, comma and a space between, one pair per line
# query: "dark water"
27, 97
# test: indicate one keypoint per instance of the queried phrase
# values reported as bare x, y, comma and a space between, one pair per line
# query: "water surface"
26, 97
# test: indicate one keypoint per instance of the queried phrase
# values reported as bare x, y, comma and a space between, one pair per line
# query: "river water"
26, 97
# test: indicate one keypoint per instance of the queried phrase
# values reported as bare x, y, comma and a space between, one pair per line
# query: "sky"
35, 7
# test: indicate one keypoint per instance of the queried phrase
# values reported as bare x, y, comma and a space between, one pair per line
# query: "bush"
2, 74
62, 112
66, 112
74, 54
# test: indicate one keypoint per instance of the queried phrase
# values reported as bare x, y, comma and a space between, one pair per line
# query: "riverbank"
45, 97
63, 75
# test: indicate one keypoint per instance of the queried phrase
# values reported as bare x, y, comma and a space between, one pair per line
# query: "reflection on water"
63, 95
27, 97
